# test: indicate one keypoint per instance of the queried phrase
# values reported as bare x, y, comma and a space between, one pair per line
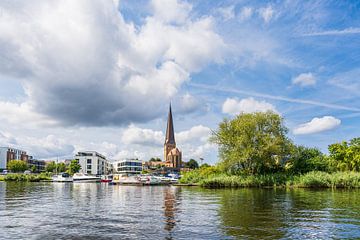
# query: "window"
88, 166
89, 161
89, 171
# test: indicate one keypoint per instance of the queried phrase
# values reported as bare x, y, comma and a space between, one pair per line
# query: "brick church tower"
172, 155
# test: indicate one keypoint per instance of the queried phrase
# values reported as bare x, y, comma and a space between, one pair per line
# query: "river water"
101, 211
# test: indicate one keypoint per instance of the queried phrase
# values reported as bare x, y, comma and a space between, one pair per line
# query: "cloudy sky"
99, 75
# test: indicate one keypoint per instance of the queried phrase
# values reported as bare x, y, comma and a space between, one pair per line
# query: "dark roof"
170, 136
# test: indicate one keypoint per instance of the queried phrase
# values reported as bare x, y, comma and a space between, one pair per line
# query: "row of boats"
117, 179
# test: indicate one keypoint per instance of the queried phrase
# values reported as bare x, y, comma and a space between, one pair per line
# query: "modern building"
7, 154
128, 166
94, 163
39, 164
172, 155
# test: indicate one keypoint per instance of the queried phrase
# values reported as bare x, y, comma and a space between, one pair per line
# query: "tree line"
257, 143
52, 167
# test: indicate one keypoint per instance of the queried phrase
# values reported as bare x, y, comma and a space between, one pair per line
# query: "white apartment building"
94, 163
128, 166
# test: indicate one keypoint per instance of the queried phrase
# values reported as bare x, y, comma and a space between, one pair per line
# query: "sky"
99, 75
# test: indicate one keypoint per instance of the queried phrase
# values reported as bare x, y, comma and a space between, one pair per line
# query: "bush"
197, 175
27, 177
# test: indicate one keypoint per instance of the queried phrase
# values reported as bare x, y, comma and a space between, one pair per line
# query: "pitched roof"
170, 136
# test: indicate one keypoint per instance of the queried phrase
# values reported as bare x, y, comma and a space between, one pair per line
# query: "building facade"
7, 154
93, 163
172, 155
128, 166
38, 164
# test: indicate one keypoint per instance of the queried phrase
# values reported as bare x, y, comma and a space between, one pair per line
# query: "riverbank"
309, 180
20, 177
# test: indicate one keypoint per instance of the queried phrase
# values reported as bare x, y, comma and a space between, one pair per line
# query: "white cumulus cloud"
317, 125
81, 63
136, 135
304, 80
234, 106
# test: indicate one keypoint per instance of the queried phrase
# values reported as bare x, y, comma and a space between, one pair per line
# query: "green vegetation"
73, 167
254, 151
18, 177
155, 159
252, 143
192, 164
17, 166
2, 178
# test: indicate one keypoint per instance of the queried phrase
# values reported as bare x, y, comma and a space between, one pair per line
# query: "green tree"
205, 165
50, 167
74, 167
193, 164
345, 156
303, 160
252, 143
155, 159
17, 166
61, 167
33, 169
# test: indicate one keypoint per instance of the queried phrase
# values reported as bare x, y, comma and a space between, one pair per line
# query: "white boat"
81, 177
150, 180
124, 179
62, 177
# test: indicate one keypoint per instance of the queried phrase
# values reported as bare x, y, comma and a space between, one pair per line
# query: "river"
101, 211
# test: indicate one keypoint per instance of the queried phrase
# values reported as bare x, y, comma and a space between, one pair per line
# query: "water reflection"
295, 214
101, 211
170, 208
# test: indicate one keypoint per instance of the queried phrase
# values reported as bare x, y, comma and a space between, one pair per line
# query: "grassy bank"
308, 180
19, 177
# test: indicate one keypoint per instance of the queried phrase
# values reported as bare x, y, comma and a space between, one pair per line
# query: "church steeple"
170, 137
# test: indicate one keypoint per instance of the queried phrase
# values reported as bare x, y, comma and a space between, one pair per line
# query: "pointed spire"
170, 138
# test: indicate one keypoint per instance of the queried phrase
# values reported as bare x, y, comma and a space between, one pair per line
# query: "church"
172, 155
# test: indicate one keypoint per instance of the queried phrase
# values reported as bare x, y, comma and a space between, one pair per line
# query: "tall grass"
313, 179
18, 177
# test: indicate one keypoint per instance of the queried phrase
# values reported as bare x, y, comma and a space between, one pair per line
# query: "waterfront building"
94, 163
128, 166
38, 164
7, 154
172, 155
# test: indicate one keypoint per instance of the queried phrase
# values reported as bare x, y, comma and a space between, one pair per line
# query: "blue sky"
100, 75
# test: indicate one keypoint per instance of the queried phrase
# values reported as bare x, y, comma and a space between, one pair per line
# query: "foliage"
33, 169
193, 164
197, 175
144, 172
73, 167
303, 160
17, 166
155, 159
2, 178
204, 165
314, 179
345, 156
61, 167
27, 177
50, 167
252, 143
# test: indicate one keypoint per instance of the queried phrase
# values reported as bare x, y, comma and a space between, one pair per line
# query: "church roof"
170, 136
174, 151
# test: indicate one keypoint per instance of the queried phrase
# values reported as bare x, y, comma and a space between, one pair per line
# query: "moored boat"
125, 179
81, 177
106, 178
62, 177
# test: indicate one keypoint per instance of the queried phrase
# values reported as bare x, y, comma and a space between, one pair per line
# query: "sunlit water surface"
101, 211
